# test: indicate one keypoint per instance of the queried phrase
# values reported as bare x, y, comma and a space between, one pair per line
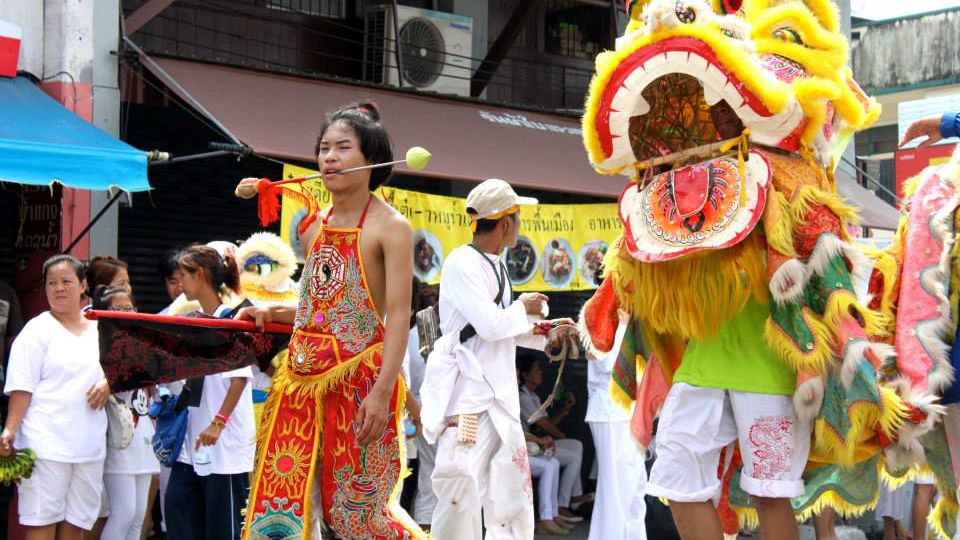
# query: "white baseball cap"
493, 199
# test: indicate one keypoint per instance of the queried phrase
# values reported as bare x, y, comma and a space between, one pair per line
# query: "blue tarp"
41, 142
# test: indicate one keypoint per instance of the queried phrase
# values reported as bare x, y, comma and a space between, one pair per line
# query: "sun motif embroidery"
304, 355
286, 467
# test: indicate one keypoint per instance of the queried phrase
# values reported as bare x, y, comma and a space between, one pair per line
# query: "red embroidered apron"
308, 434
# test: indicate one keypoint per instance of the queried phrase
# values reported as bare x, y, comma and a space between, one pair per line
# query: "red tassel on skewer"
268, 202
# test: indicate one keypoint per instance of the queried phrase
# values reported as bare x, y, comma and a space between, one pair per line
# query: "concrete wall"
69, 45
28, 15
480, 11
106, 115
914, 51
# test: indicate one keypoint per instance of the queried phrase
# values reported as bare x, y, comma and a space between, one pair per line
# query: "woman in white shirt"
128, 471
546, 469
569, 452
219, 424
57, 392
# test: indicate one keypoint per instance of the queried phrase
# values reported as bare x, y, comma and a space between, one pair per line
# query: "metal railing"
865, 179
236, 34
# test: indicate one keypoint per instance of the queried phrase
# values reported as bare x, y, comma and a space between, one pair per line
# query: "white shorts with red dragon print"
696, 424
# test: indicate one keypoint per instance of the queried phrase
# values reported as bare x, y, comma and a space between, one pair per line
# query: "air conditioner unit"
435, 49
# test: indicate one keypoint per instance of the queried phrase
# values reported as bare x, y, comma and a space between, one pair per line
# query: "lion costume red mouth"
708, 205
645, 87
657, 102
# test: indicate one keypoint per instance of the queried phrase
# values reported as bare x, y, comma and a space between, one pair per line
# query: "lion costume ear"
855, 111
824, 11
728, 7
634, 8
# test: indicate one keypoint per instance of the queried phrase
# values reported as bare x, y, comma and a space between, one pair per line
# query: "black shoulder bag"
469, 331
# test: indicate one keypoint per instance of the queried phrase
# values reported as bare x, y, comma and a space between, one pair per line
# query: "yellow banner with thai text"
560, 247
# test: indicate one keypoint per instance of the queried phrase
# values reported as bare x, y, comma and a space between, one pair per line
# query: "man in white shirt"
470, 398
619, 511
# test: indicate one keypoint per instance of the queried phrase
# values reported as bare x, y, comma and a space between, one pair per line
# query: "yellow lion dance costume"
716, 219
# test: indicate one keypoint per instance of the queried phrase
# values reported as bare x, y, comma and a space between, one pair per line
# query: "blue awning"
41, 142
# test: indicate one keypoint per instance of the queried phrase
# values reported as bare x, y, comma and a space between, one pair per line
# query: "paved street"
580, 533
806, 533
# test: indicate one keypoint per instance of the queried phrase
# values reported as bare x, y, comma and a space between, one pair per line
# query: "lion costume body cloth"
714, 218
916, 284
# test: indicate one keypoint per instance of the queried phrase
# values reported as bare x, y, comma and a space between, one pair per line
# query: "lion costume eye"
788, 35
261, 268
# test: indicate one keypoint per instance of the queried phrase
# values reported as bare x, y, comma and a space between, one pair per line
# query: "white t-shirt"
57, 368
261, 381
138, 458
415, 362
234, 451
529, 403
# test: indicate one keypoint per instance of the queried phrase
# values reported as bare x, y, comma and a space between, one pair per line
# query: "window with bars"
334, 9
576, 28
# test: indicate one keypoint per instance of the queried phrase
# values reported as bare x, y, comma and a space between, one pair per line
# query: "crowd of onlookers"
84, 479
88, 479
91, 478
57, 398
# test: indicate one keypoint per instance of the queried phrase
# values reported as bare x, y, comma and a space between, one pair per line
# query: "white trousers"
128, 495
162, 487
425, 500
619, 511
547, 471
492, 474
569, 453
894, 503
696, 423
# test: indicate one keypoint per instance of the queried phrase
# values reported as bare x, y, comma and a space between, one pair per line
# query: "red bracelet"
224, 418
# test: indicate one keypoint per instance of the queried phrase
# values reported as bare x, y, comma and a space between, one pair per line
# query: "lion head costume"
729, 117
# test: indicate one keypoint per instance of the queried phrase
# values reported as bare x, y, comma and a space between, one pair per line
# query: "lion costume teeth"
715, 218
780, 64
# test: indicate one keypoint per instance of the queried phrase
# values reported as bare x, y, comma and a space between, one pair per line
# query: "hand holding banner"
137, 349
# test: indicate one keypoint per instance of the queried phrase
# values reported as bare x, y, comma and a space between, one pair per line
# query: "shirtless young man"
330, 431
